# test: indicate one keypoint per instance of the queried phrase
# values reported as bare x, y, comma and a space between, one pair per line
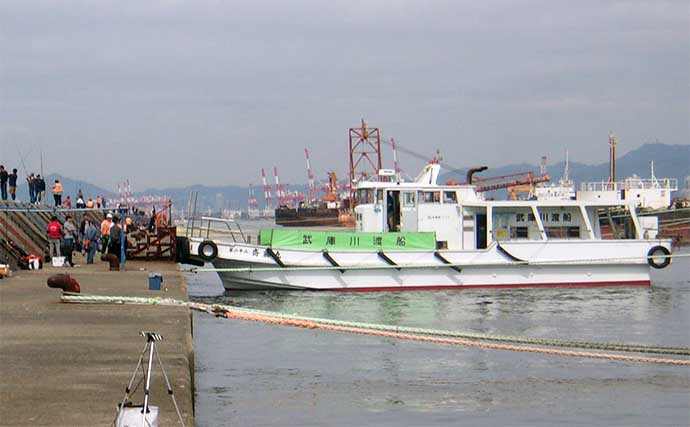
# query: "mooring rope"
588, 261
400, 332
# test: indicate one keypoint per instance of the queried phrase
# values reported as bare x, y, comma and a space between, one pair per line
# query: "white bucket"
35, 264
131, 416
58, 261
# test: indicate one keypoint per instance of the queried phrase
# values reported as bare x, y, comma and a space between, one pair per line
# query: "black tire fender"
653, 257
208, 251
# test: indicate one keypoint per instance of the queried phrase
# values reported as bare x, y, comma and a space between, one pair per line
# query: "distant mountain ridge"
670, 161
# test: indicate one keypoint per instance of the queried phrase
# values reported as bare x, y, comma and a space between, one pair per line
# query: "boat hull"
248, 267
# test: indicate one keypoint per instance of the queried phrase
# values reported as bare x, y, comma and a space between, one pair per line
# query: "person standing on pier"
90, 241
115, 239
32, 188
54, 235
40, 189
13, 184
105, 232
99, 202
68, 203
57, 193
3, 182
70, 233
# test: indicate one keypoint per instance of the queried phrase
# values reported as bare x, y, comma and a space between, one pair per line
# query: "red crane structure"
280, 192
365, 154
268, 199
252, 203
310, 176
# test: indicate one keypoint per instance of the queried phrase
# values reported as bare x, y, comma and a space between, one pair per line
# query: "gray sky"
170, 93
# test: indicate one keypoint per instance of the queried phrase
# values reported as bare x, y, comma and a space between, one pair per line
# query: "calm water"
250, 374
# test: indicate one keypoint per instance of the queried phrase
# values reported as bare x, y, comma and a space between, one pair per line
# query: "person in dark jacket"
115, 239
40, 189
31, 183
4, 176
13, 184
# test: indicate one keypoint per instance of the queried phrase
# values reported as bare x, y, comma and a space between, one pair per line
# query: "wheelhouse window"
365, 196
450, 197
431, 196
409, 199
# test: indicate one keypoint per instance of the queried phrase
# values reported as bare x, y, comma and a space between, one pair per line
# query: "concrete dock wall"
68, 364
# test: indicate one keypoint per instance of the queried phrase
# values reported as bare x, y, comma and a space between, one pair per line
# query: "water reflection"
253, 374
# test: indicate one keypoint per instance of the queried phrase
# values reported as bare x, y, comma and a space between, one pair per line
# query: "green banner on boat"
344, 240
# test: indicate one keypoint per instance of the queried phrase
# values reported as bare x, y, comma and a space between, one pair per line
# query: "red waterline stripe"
503, 286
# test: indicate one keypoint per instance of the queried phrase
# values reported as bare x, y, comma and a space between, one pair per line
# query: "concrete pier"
68, 364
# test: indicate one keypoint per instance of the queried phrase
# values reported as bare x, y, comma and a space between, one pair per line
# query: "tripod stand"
124, 411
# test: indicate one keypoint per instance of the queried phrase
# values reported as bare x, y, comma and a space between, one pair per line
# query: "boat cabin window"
431, 196
519, 232
365, 196
615, 223
566, 232
449, 197
409, 199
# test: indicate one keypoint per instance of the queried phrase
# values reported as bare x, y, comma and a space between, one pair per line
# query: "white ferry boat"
422, 235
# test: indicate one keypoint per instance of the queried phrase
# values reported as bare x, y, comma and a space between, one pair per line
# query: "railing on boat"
670, 184
204, 230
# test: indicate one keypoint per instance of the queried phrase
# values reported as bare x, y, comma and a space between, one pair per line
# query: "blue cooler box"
155, 280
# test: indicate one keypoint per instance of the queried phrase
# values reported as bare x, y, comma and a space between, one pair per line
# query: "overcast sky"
170, 93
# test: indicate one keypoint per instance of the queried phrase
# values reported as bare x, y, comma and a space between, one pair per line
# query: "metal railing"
670, 184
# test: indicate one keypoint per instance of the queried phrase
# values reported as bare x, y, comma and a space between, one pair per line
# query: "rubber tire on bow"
654, 263
182, 249
202, 251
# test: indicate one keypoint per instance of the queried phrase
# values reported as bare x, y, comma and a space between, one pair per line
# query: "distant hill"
670, 161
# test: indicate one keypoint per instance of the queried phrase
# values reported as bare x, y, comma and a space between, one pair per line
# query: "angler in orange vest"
57, 193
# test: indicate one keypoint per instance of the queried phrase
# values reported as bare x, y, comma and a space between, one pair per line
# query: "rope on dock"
469, 339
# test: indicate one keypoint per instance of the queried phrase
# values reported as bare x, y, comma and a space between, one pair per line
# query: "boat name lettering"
555, 217
306, 239
377, 240
330, 240
354, 240
400, 241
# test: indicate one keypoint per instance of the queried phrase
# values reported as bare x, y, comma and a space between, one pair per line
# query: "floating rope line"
433, 266
417, 334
